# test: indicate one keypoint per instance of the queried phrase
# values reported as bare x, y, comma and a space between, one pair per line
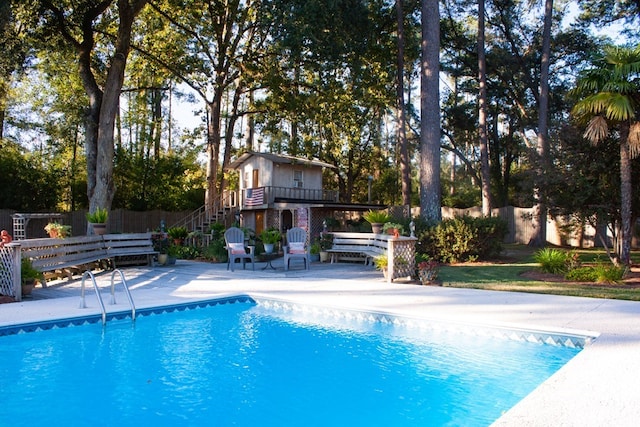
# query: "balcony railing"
260, 196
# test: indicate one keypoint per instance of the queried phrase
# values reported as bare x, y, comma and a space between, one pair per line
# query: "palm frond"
597, 129
619, 107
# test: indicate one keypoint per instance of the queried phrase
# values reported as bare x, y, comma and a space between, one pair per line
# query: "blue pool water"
246, 365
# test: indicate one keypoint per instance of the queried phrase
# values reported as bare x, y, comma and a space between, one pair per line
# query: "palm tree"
610, 101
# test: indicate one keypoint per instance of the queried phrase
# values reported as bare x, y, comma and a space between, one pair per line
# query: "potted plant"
98, 220
173, 252
376, 219
57, 230
428, 271
382, 263
326, 243
161, 245
29, 276
314, 250
178, 234
393, 228
269, 238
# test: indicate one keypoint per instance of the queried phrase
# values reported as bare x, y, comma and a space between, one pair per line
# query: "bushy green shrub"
609, 273
215, 251
599, 273
551, 260
187, 252
581, 274
462, 239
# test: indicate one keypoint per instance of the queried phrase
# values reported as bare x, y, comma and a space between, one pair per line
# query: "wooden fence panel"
120, 221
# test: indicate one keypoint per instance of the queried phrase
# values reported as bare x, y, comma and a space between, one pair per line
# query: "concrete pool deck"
600, 386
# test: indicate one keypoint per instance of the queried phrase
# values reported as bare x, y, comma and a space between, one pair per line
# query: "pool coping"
597, 387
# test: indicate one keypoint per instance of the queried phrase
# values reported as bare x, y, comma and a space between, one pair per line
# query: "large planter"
162, 259
427, 277
324, 256
376, 227
99, 228
27, 286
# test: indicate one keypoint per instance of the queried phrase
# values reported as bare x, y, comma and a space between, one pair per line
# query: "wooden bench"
127, 249
75, 255
65, 257
358, 246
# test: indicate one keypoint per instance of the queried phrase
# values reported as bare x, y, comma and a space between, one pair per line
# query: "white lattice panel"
7, 271
403, 251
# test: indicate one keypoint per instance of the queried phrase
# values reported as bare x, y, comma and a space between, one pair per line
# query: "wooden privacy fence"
519, 220
120, 221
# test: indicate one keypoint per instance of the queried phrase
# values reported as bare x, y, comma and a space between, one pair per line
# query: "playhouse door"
259, 222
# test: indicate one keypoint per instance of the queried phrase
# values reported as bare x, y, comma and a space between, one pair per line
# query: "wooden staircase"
222, 211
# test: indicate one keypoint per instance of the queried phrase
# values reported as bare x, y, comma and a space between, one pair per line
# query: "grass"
506, 275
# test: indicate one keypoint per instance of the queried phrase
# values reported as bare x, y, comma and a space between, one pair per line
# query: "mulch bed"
631, 281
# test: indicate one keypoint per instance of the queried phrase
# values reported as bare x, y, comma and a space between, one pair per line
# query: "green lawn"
506, 275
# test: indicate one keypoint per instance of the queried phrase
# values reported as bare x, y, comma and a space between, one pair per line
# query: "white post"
16, 274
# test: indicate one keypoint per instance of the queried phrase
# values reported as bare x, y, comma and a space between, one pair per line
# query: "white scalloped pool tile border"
488, 331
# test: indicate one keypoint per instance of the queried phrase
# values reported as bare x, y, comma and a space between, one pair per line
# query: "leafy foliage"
598, 273
552, 260
22, 176
462, 239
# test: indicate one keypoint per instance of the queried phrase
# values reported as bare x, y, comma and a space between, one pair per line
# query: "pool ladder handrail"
83, 303
126, 291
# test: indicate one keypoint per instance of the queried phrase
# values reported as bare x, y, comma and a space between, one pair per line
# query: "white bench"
358, 246
400, 251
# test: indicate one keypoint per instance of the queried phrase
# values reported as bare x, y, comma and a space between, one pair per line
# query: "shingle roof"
278, 158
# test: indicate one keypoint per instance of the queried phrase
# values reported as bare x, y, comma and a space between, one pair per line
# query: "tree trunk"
540, 238
625, 195
405, 167
482, 115
430, 204
213, 148
105, 187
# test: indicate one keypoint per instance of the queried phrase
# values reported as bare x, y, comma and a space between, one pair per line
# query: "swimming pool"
270, 364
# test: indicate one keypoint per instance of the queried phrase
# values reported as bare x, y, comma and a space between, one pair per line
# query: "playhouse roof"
278, 158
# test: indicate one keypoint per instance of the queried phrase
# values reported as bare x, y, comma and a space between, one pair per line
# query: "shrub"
215, 251
609, 273
462, 238
599, 273
187, 252
217, 229
551, 260
581, 274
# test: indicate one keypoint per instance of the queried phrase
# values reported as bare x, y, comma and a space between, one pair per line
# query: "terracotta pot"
28, 286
